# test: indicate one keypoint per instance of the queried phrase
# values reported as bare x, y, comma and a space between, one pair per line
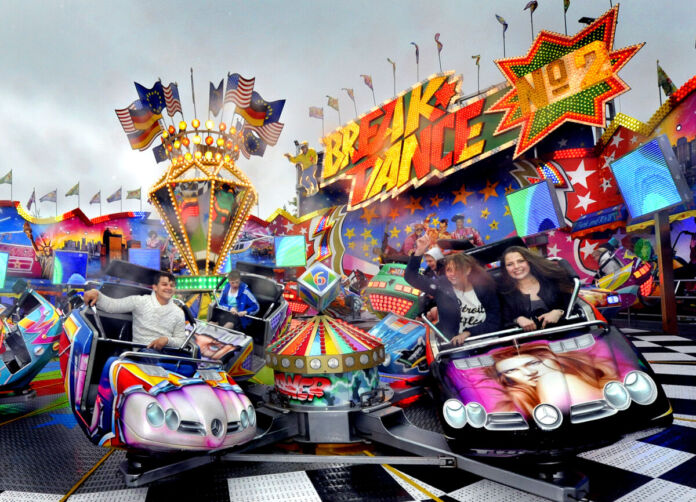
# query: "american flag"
239, 90
124, 117
269, 132
172, 100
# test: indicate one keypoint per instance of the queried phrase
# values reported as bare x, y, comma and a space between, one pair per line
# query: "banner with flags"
417, 51
477, 57
260, 111
502, 21
215, 97
664, 82
152, 98
141, 140
51, 196
133, 194
316, 112
124, 117
439, 44
532, 6
368, 81
7, 179
32, 200
239, 90
269, 132
332, 102
74, 190
172, 100
350, 93
566, 4
114, 196
96, 198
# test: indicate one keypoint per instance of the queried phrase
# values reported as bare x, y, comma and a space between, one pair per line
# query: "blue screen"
533, 210
290, 251
645, 180
69, 267
144, 257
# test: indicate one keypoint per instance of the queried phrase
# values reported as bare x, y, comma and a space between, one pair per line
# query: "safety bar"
432, 326
573, 298
150, 355
547, 331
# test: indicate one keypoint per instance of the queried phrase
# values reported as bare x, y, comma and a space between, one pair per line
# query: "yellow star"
350, 233
509, 189
351, 245
468, 220
414, 204
394, 213
435, 201
367, 234
436, 222
489, 190
394, 233
507, 211
368, 214
367, 255
461, 195
488, 237
408, 229
373, 242
493, 225
366, 247
485, 214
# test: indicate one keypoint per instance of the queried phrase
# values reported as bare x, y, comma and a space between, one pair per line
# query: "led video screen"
149, 258
69, 267
290, 251
650, 178
535, 209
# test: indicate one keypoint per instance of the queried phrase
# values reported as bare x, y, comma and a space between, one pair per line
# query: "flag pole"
193, 96
565, 20
439, 60
322, 125
531, 21
504, 42
374, 101
478, 79
121, 190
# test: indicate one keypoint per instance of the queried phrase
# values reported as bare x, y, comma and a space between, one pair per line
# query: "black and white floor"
43, 456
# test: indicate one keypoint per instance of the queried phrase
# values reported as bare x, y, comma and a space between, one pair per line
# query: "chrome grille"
191, 427
232, 427
513, 421
593, 410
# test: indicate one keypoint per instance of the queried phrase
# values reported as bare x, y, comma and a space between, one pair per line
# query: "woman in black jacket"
534, 289
466, 300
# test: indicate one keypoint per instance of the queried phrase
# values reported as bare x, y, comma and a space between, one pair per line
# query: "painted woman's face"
525, 369
516, 266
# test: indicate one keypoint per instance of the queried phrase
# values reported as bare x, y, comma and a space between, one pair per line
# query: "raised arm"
413, 276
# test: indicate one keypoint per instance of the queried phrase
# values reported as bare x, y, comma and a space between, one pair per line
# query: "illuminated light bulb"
182, 126
218, 156
165, 135
209, 140
188, 156
174, 161
229, 145
236, 148
177, 144
171, 129
209, 124
220, 142
197, 139
185, 142
196, 123
169, 147
198, 154
181, 158
223, 126
208, 155
227, 157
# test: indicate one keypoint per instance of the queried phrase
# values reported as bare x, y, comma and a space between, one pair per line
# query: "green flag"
663, 81
74, 190
133, 194
7, 179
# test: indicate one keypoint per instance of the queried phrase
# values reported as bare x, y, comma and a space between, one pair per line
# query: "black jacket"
448, 305
517, 304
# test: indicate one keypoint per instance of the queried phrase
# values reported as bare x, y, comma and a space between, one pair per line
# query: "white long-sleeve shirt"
151, 319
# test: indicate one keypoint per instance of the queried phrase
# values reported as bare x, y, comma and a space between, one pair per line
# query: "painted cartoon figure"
306, 159
43, 250
462, 232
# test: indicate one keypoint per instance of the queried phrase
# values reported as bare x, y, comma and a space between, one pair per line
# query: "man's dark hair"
234, 275
162, 273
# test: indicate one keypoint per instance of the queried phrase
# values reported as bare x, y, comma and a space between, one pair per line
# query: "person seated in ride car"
434, 267
157, 321
238, 300
533, 287
466, 300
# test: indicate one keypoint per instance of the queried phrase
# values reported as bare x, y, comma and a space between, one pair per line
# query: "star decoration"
488, 237
394, 233
350, 233
584, 106
580, 175
616, 140
303, 231
461, 195
489, 190
414, 204
373, 241
606, 183
485, 214
468, 220
435, 201
584, 201
493, 225
366, 247
368, 214
351, 245
394, 213
367, 234
507, 211
288, 227
562, 143
408, 229
509, 189
553, 250
587, 249
444, 95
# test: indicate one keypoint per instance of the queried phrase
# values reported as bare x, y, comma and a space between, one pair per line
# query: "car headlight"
454, 413
641, 387
476, 414
547, 416
252, 415
244, 419
154, 414
617, 396
216, 427
171, 418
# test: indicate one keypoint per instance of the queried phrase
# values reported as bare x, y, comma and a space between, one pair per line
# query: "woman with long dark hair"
533, 287
466, 300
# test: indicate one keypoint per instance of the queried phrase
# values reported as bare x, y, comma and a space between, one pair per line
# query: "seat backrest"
565, 265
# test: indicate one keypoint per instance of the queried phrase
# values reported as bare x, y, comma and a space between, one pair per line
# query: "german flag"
143, 118
255, 113
141, 140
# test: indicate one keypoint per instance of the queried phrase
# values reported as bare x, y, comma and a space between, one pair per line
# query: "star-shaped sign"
461, 195
580, 175
444, 95
414, 204
489, 190
562, 79
584, 201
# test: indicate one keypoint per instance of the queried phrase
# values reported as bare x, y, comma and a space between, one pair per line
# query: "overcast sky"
67, 65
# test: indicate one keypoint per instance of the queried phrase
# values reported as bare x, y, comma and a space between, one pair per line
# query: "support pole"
668, 302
